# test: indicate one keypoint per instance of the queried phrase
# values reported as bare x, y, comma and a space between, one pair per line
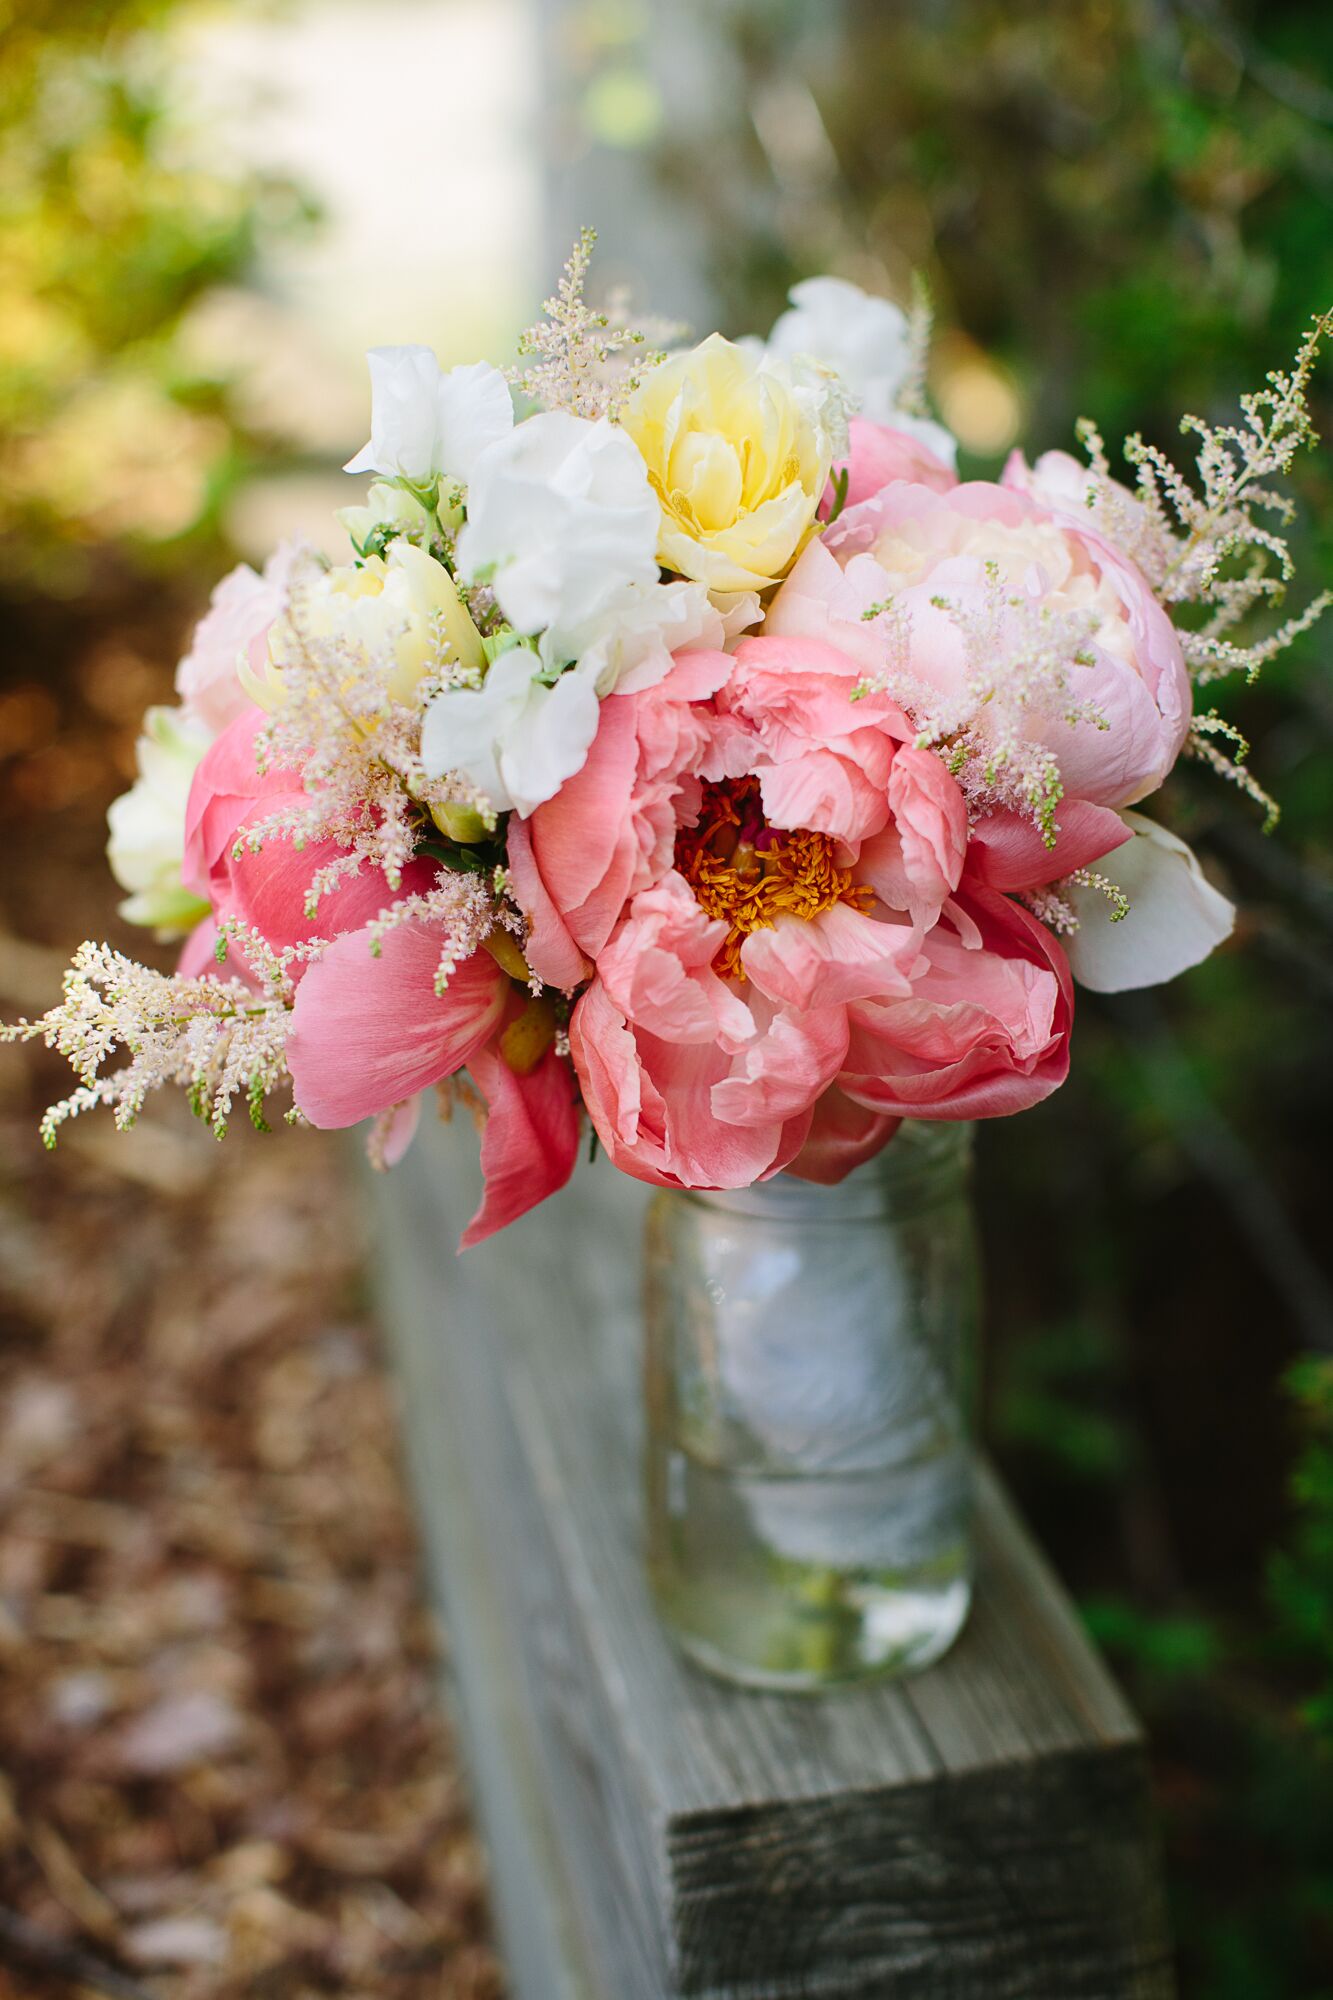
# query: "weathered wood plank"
981, 1829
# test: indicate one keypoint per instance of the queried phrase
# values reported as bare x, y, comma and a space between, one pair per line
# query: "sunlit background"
1122, 209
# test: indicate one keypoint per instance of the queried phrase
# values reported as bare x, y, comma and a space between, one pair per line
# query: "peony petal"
1175, 917
916, 862
368, 1032
579, 837
1007, 852
780, 1075
880, 453
224, 789
403, 1122
658, 970
530, 1141
838, 956
842, 1136
550, 950
199, 959
985, 1031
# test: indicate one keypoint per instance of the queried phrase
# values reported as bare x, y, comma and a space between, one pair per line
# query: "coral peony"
270, 888
370, 1030
775, 891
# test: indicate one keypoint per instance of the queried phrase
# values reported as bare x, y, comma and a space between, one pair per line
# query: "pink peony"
1070, 486
235, 628
269, 886
882, 453
765, 906
985, 1029
369, 1031
842, 1135
925, 562
611, 828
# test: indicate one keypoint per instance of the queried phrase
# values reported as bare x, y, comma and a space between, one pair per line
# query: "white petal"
866, 339
516, 739
404, 388
550, 740
475, 409
630, 646
1175, 916
561, 517
464, 728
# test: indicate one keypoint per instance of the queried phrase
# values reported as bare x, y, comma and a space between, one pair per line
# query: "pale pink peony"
924, 563
714, 1048
882, 453
1070, 486
1057, 480
235, 628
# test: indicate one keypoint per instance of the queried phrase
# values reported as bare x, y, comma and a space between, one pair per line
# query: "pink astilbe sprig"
214, 1038
1019, 652
357, 745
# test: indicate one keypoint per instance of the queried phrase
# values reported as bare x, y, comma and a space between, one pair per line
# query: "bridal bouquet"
681, 745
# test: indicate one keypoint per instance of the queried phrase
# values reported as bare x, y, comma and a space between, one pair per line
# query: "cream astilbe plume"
215, 1038
1203, 546
341, 715
1020, 653
581, 360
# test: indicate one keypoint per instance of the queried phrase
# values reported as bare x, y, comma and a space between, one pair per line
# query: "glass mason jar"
809, 1372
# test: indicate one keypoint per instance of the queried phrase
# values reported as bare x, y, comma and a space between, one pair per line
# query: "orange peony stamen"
749, 873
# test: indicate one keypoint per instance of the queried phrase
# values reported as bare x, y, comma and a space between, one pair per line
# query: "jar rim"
925, 1158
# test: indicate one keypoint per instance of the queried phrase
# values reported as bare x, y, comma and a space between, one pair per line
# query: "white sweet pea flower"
147, 824
1175, 916
424, 422
561, 518
868, 341
631, 647
514, 737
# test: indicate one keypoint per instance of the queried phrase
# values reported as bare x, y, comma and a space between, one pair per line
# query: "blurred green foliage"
118, 213
1123, 209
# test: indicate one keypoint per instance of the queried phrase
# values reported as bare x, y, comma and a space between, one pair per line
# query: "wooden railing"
979, 1832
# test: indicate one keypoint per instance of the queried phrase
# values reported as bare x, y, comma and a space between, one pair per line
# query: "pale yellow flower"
738, 450
401, 607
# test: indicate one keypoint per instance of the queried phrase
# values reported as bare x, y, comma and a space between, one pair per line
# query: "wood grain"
979, 1830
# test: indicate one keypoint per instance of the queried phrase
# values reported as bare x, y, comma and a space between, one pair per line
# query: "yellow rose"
402, 607
739, 455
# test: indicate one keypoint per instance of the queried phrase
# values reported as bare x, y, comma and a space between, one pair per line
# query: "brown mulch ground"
225, 1770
